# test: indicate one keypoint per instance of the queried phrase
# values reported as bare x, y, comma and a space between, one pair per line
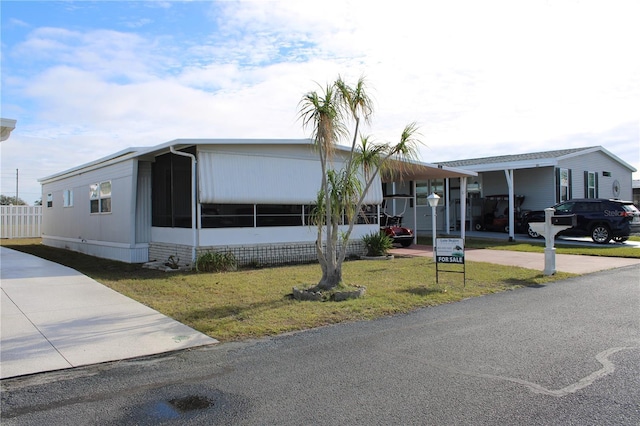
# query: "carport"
416, 171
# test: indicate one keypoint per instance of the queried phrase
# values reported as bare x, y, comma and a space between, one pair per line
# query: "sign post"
450, 251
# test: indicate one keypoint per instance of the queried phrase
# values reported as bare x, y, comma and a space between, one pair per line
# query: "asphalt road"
567, 353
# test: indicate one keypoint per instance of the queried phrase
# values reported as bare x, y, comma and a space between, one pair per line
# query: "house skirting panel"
251, 255
160, 252
115, 251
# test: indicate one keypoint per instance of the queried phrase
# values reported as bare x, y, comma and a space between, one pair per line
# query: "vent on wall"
606, 174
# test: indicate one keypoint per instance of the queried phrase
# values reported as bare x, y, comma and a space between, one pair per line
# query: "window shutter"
557, 184
596, 183
570, 195
586, 184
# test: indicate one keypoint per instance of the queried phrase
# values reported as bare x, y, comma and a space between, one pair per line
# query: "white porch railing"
20, 221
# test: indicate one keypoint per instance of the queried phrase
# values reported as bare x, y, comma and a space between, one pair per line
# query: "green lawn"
255, 303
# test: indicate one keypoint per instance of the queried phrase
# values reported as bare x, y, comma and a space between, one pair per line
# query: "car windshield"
564, 207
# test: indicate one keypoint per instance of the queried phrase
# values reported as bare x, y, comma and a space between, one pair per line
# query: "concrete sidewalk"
54, 317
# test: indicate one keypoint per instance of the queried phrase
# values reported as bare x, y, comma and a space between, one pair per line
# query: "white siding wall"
77, 222
537, 186
128, 253
250, 236
494, 183
599, 162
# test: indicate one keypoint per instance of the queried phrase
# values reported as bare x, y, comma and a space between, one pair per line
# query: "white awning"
259, 179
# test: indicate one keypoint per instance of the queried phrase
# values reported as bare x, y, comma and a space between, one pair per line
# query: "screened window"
227, 215
265, 215
171, 193
308, 214
424, 189
422, 192
368, 215
100, 197
278, 215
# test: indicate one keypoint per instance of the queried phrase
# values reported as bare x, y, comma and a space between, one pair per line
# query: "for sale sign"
450, 250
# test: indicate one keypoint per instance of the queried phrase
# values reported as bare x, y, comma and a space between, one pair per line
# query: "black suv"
598, 218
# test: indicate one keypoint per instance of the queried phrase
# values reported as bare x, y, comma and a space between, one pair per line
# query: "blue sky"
86, 79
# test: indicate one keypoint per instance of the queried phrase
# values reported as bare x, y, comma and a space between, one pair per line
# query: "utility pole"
16, 187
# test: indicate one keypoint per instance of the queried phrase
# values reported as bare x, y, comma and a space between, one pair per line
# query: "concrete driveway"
564, 262
54, 317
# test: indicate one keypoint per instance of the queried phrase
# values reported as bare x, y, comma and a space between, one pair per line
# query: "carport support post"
433, 202
509, 176
549, 249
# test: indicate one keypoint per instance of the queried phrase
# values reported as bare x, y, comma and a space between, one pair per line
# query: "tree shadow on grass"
237, 311
423, 291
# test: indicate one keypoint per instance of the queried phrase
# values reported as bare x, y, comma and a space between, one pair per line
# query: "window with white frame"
563, 184
67, 198
100, 197
591, 185
49, 200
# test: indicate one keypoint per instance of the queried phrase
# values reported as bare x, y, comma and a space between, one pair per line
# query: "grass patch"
255, 303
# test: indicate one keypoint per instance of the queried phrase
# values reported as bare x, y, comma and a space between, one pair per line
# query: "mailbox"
565, 220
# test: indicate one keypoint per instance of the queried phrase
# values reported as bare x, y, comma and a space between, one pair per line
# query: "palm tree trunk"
331, 280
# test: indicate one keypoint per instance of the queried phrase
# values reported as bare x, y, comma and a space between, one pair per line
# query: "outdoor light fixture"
433, 202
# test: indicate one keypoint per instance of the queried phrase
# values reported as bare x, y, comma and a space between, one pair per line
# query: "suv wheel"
601, 234
531, 232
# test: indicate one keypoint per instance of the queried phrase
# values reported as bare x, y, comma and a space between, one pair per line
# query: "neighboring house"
549, 177
184, 197
636, 192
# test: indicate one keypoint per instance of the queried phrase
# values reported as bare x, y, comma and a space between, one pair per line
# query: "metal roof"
528, 160
407, 170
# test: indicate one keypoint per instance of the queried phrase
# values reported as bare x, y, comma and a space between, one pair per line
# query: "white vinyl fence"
20, 221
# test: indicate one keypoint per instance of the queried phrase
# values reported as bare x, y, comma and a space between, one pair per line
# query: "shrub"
377, 243
213, 261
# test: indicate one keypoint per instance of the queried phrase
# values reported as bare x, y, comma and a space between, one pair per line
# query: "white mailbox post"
550, 228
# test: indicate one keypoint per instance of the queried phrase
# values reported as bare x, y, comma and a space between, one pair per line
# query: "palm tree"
342, 192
